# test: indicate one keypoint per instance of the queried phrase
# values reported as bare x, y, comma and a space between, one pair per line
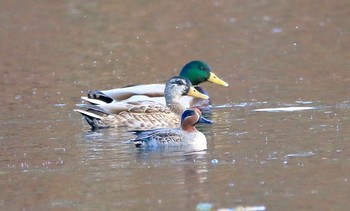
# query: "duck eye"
201, 68
179, 82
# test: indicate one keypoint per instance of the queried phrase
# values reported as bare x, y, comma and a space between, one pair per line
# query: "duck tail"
94, 116
94, 101
138, 143
98, 97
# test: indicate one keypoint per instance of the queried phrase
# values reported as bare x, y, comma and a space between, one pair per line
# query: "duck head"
178, 86
190, 117
198, 72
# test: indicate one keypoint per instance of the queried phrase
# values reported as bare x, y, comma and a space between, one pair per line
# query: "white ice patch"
285, 109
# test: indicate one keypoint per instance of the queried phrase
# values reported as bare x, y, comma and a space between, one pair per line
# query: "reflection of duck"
143, 114
187, 135
196, 71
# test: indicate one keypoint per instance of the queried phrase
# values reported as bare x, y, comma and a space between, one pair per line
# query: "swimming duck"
196, 71
187, 135
143, 114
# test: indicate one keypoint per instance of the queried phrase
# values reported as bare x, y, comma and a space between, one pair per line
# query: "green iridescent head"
198, 72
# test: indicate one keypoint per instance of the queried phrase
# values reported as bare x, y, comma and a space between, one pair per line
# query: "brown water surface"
275, 54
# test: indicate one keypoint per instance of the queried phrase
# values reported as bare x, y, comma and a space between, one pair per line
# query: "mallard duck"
196, 71
143, 114
187, 135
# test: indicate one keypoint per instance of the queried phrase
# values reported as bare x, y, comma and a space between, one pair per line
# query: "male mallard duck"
143, 114
187, 135
196, 71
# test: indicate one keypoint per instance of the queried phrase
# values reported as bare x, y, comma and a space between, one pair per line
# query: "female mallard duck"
143, 114
187, 135
196, 71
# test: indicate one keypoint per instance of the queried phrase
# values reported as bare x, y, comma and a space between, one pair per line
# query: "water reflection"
180, 154
181, 170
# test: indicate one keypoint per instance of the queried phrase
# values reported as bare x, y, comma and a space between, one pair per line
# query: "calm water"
281, 138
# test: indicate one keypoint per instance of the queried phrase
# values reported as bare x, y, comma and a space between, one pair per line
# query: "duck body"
142, 114
129, 93
136, 115
170, 137
187, 135
196, 71
143, 93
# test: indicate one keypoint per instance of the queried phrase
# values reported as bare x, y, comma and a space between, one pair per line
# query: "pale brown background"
274, 53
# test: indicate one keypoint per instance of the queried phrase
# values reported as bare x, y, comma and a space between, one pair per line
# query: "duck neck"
175, 106
188, 127
173, 102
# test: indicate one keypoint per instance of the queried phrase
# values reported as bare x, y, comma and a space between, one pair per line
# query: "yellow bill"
216, 80
195, 93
